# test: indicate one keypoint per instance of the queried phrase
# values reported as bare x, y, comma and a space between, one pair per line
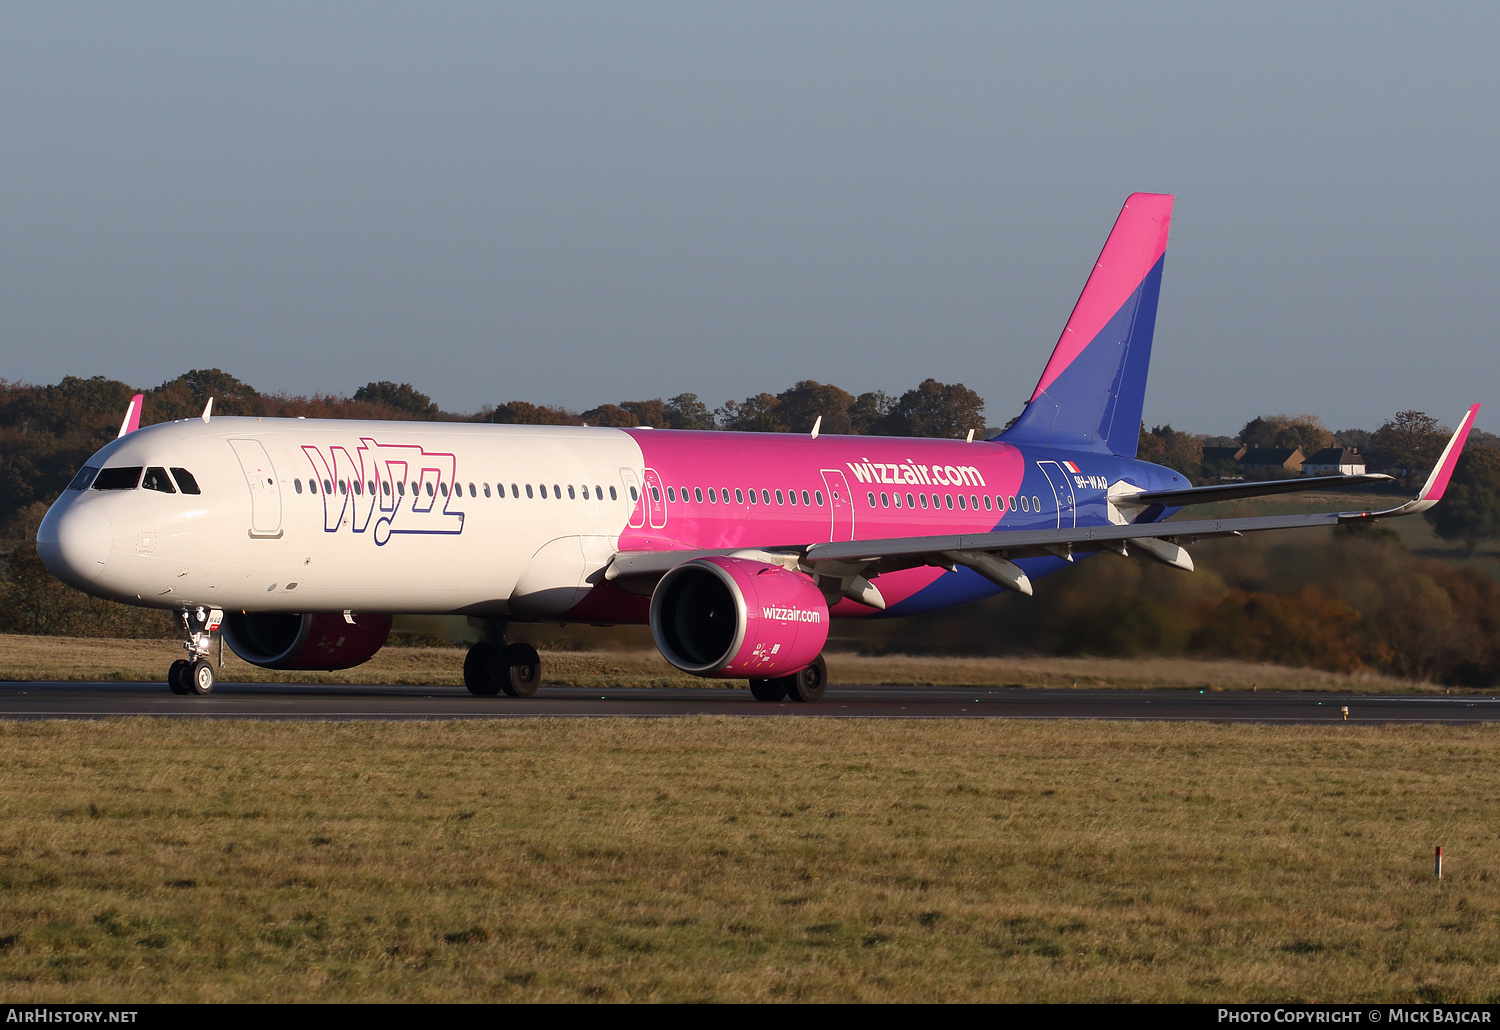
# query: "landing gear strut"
807, 685
195, 673
494, 667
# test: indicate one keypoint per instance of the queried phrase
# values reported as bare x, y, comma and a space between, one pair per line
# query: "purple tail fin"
1091, 393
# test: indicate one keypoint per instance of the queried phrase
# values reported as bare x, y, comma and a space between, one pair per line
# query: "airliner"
295, 541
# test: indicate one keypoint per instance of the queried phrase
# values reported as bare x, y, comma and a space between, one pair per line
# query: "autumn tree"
803, 404
401, 398
1164, 445
756, 414
612, 415
1287, 431
1410, 442
867, 411
1470, 510
524, 413
934, 409
186, 396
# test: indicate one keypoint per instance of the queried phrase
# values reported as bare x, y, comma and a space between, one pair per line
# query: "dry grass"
65, 658
746, 860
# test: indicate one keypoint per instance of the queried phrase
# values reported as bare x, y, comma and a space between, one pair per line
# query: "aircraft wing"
991, 554
1235, 491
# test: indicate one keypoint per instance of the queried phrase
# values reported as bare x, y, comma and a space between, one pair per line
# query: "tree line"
1346, 602
47, 432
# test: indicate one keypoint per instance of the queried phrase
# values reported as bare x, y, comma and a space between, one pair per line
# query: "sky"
586, 203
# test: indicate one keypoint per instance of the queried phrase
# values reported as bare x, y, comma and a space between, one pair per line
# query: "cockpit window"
118, 478
156, 479
83, 479
185, 481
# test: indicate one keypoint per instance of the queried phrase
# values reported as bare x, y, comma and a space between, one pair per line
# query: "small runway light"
1346, 713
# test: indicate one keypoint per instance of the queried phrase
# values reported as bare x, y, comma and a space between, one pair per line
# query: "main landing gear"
494, 667
807, 685
195, 673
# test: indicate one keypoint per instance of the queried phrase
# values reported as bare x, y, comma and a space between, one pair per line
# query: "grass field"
65, 658
718, 859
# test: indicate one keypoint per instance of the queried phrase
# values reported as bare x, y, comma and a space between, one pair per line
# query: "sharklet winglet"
132, 420
1437, 482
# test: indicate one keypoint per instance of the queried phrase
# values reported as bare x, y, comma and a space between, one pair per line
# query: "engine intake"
732, 618
322, 640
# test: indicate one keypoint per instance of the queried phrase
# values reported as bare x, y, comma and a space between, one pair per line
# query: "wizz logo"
387, 489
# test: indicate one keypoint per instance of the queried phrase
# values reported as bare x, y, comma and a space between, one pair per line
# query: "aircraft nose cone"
74, 543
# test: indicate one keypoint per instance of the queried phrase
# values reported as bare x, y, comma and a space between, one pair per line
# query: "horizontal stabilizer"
1237, 491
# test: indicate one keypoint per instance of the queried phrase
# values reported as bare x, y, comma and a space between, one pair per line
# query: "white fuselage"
286, 520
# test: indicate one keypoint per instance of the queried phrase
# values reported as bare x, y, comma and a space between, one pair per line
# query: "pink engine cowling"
324, 640
731, 617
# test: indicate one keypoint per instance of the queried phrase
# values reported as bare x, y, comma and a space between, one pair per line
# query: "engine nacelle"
322, 640
731, 617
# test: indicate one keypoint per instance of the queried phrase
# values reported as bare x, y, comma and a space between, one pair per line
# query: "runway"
67, 700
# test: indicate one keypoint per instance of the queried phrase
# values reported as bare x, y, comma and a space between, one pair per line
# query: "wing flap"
1236, 491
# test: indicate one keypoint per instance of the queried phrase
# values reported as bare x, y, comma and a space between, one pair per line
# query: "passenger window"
528, 490
1011, 504
895, 499
698, 494
156, 479
961, 505
804, 498
871, 498
949, 499
739, 498
1036, 503
885, 499
973, 502
612, 495
357, 488
986, 502
633, 495
572, 496
328, 486
344, 487
751, 494
297, 485
385, 488
1024, 505
473, 492
430, 491
486, 489
598, 492
818, 495
765, 496
83, 479
516, 492
782, 500
671, 493
401, 488
713, 498
924, 501
656, 495
416, 489
792, 496
371, 485
910, 501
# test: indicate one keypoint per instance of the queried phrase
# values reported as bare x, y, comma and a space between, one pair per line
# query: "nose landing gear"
195, 673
